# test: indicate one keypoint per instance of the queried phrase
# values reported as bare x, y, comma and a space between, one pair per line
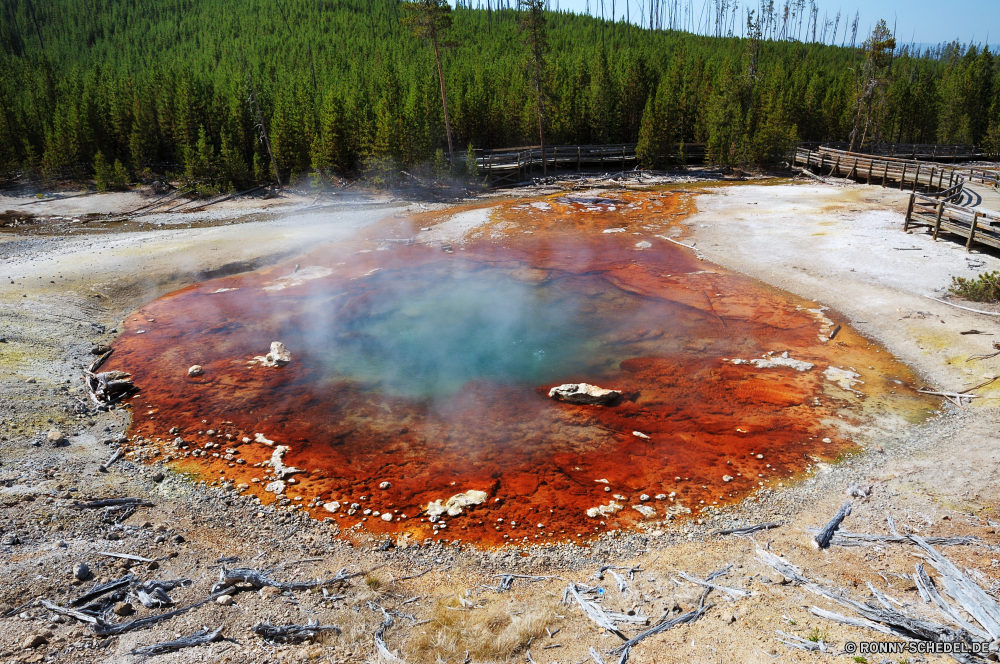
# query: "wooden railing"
510, 166
943, 216
915, 151
886, 171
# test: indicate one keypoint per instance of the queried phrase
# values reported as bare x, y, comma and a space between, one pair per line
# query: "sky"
921, 21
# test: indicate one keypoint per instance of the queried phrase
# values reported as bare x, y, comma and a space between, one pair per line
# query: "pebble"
124, 609
55, 436
225, 600
157, 476
195, 370
387, 517
35, 640
81, 571
384, 485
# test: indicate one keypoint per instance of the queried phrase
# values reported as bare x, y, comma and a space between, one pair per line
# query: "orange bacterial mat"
421, 364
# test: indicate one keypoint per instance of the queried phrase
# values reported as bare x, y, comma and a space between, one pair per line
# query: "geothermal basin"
424, 348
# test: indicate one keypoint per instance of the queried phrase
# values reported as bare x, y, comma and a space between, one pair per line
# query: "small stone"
157, 476
331, 506
195, 370
55, 436
33, 641
81, 571
387, 517
827, 440
177, 539
225, 600
661, 496
210, 432
644, 498
175, 430
112, 537
161, 528
124, 609
727, 478
384, 485
152, 566
10, 539
269, 592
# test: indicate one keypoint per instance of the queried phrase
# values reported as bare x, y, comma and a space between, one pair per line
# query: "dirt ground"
68, 285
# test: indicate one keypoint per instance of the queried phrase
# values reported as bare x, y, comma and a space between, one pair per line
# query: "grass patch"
493, 633
984, 288
816, 635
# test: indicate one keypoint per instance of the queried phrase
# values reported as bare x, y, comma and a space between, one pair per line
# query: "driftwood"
690, 616
861, 539
230, 578
111, 502
71, 613
102, 628
622, 583
595, 612
883, 617
125, 556
958, 306
746, 530
823, 537
156, 598
798, 642
103, 588
416, 576
292, 633
733, 592
199, 638
929, 592
507, 580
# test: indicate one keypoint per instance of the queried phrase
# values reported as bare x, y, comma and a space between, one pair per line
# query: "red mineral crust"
668, 328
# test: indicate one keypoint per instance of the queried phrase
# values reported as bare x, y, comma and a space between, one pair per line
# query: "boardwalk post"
836, 167
972, 231
930, 181
623, 158
902, 178
489, 171
885, 173
578, 159
954, 156
808, 156
916, 178
822, 162
909, 211
602, 157
937, 221
951, 177
870, 163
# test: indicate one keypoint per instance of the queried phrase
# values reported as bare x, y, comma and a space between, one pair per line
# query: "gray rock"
279, 354
55, 436
81, 571
195, 370
583, 393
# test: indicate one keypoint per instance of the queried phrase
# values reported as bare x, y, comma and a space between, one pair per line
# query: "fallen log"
229, 578
861, 539
292, 633
823, 537
595, 613
746, 530
688, 617
199, 638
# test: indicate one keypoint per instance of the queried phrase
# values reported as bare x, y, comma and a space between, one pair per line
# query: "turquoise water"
427, 331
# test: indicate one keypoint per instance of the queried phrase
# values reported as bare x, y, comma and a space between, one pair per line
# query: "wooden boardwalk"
511, 166
907, 174
982, 226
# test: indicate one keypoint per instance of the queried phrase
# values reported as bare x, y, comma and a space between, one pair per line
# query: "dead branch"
292, 633
199, 638
229, 579
71, 613
111, 502
733, 592
102, 628
690, 616
595, 612
103, 588
823, 537
863, 539
746, 530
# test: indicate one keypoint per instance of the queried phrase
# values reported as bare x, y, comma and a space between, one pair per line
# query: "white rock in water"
727, 478
603, 510
387, 517
279, 354
282, 471
776, 362
277, 487
645, 510
639, 434
843, 377
331, 506
196, 370
583, 393
643, 245
259, 438
384, 485
453, 506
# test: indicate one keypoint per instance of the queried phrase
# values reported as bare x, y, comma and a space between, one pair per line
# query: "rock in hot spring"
279, 354
583, 393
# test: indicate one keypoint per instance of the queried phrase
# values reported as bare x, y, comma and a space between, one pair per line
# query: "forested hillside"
342, 85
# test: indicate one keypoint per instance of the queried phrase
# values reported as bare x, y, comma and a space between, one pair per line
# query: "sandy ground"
844, 247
